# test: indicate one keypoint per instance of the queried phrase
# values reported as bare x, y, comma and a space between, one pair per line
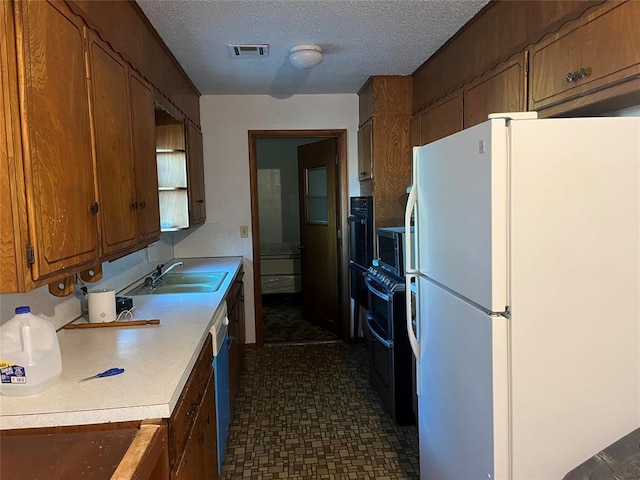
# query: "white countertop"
157, 361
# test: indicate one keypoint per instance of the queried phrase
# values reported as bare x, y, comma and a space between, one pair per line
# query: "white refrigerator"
526, 268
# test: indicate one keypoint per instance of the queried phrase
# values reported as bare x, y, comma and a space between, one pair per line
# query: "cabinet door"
195, 177
207, 421
596, 51
414, 132
503, 89
442, 119
199, 459
59, 176
365, 151
12, 223
146, 171
190, 466
235, 303
113, 144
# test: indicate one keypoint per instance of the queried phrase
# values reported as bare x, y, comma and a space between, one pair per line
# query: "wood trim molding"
343, 199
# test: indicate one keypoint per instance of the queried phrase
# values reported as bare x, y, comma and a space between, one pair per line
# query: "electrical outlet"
244, 231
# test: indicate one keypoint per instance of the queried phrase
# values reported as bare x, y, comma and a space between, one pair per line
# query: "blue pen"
109, 373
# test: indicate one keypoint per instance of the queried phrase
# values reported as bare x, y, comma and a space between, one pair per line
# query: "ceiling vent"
249, 50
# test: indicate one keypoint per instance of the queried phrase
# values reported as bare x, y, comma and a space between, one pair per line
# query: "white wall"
226, 120
278, 205
116, 275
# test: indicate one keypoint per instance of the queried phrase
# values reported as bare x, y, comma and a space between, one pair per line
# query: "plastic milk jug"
30, 359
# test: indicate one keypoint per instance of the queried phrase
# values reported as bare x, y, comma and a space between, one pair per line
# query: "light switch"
244, 231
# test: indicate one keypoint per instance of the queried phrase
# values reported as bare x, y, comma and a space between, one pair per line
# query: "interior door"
318, 233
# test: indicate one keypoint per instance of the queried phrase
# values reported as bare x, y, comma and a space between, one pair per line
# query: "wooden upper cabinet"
599, 50
384, 95
384, 153
502, 89
442, 119
195, 176
414, 131
113, 144
365, 151
12, 223
58, 166
144, 153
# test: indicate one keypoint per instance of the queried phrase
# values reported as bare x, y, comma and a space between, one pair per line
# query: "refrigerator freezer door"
462, 410
461, 216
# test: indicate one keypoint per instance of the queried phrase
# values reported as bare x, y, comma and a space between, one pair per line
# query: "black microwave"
391, 245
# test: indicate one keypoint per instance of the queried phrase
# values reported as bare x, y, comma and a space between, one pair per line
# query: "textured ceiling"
360, 38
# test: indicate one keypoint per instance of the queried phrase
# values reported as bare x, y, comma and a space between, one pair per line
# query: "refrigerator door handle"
410, 271
411, 205
413, 340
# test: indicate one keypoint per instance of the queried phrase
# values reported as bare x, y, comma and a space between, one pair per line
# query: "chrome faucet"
156, 276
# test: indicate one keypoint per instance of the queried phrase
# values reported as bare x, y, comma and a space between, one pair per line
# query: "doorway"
336, 193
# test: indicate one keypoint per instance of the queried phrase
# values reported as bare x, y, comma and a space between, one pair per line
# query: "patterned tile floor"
308, 412
282, 321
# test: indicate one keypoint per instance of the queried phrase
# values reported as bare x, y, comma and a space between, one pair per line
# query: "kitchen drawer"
186, 409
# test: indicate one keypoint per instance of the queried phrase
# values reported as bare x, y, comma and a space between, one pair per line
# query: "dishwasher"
221, 378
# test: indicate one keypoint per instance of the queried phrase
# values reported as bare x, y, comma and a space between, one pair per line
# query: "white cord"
125, 314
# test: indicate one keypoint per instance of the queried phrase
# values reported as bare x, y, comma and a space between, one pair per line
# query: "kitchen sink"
213, 278
183, 283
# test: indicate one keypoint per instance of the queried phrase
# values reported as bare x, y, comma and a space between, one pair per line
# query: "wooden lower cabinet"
192, 426
200, 459
235, 308
184, 447
119, 451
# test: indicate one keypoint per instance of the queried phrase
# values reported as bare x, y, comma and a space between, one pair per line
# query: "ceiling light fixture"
305, 56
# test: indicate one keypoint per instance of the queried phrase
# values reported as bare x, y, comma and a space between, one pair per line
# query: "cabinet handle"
142, 204
134, 205
200, 201
94, 208
579, 75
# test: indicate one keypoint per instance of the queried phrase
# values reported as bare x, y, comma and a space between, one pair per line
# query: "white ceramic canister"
30, 360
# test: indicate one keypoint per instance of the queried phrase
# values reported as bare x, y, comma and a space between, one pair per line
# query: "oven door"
359, 290
360, 241
380, 307
380, 353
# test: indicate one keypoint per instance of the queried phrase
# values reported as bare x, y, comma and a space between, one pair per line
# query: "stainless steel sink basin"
206, 282
213, 278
